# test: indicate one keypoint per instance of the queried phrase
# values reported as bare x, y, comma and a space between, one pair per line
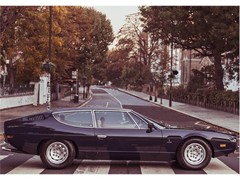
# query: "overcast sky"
116, 14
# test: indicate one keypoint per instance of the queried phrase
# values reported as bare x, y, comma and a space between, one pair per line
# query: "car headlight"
233, 138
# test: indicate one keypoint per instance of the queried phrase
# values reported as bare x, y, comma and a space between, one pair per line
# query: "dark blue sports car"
60, 136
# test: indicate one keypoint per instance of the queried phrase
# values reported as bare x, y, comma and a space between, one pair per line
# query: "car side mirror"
150, 127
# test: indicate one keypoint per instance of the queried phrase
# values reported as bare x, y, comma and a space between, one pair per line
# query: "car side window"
75, 118
142, 124
114, 119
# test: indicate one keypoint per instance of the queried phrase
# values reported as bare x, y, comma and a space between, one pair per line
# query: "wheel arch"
40, 144
196, 137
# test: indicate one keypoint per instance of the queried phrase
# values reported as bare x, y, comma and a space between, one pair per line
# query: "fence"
16, 90
199, 100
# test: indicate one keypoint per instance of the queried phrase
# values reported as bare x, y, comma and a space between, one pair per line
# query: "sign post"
75, 76
48, 92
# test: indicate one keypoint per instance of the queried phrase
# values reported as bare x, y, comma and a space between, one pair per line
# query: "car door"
78, 127
119, 137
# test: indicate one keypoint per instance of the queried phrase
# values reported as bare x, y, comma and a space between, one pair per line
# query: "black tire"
57, 154
194, 154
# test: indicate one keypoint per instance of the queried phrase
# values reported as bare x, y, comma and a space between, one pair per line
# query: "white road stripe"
3, 156
218, 167
156, 168
31, 166
93, 167
3, 143
115, 98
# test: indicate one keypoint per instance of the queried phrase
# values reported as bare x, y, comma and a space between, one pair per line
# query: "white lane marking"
3, 143
3, 157
93, 167
115, 98
218, 167
31, 166
85, 103
107, 104
156, 169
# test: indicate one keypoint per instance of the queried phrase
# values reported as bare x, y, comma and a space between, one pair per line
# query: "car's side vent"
36, 118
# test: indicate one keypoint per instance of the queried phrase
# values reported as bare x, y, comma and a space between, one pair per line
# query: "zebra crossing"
31, 164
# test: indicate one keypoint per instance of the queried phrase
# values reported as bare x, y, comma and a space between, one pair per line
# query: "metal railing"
16, 90
202, 101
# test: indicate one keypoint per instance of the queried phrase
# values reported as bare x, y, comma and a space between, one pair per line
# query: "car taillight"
6, 137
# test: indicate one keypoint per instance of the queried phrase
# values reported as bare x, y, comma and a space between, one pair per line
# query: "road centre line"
114, 98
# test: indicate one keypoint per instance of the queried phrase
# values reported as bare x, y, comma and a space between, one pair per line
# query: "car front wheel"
57, 154
194, 154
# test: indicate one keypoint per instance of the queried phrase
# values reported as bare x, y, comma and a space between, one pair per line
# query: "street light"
5, 73
50, 58
84, 83
48, 67
75, 75
170, 90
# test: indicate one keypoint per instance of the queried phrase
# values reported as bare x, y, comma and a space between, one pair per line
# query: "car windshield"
159, 125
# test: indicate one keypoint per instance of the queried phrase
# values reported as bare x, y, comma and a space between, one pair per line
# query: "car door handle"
101, 136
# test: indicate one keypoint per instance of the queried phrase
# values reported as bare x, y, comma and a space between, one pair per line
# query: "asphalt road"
13, 163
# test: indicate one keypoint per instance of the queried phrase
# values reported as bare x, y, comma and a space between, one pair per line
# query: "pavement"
12, 113
219, 118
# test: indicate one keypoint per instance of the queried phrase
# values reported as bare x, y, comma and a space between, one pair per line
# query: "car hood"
202, 128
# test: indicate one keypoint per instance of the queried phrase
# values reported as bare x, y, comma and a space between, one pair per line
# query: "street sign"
74, 74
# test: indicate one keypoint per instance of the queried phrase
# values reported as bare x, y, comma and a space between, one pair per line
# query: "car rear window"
75, 118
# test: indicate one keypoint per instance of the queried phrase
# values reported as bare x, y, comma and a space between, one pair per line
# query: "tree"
196, 81
160, 68
123, 69
91, 34
210, 31
135, 74
8, 16
146, 46
80, 39
25, 42
15, 41
116, 61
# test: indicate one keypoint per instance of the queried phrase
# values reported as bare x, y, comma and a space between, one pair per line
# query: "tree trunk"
218, 71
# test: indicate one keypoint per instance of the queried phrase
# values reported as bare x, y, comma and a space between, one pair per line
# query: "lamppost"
5, 73
84, 83
170, 76
75, 75
47, 65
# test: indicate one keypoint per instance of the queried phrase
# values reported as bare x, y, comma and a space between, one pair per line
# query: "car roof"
90, 108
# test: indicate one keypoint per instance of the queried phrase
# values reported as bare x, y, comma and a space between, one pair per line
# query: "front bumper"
11, 150
223, 147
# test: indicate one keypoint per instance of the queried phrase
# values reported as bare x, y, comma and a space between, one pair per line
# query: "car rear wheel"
57, 154
194, 154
